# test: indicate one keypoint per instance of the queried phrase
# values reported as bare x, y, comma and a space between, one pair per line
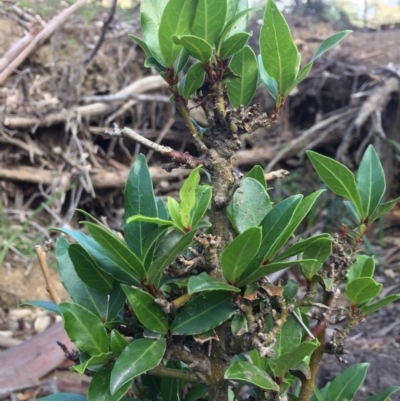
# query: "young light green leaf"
154, 220
246, 371
234, 44
364, 266
173, 210
371, 181
384, 394
209, 19
162, 211
238, 254
328, 43
241, 90
203, 282
270, 83
139, 199
373, 307
137, 358
249, 205
258, 174
99, 387
362, 289
117, 343
319, 250
337, 177
146, 310
278, 50
176, 19
46, 305
196, 47
188, 197
346, 385
203, 199
383, 208
203, 313
84, 328
194, 79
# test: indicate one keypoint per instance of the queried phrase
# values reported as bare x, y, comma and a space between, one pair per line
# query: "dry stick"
273, 175
41, 255
41, 37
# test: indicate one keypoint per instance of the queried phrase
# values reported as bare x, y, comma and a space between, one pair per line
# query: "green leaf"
137, 358
188, 197
92, 363
63, 397
258, 360
304, 71
288, 339
371, 181
249, 205
203, 282
337, 177
209, 19
362, 289
116, 302
154, 220
139, 198
346, 385
151, 62
203, 199
270, 83
194, 79
173, 210
99, 387
239, 325
241, 90
46, 305
162, 211
146, 310
234, 44
371, 308
319, 250
247, 372
117, 343
154, 273
196, 47
150, 19
383, 208
353, 211
278, 51
236, 18
84, 328
257, 173
299, 247
142, 44
79, 292
364, 266
328, 43
198, 392
170, 388
291, 359
239, 253
290, 291
384, 394
88, 271
128, 261
203, 313
176, 19
151, 244
181, 61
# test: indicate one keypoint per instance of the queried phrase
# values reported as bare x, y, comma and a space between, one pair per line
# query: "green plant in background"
181, 307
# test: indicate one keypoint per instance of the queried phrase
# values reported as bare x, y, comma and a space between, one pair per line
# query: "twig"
273, 175
41, 255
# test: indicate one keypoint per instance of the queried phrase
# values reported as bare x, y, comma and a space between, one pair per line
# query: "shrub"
181, 307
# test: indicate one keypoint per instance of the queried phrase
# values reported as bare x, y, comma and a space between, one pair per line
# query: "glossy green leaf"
353, 211
373, 307
203, 313
151, 244
247, 372
63, 397
117, 343
88, 271
257, 173
362, 289
142, 44
137, 358
371, 181
79, 292
384, 394
299, 247
154, 220
151, 62
150, 19
187, 195
234, 44
84, 328
194, 79
383, 208
170, 388
237, 15
116, 301
241, 90
203, 282
288, 339
139, 199
46, 305
99, 387
128, 261
259, 361
337, 177
176, 19
270, 83
198, 392
346, 385
303, 73
162, 211
181, 61
238, 254
92, 363
290, 291
203, 199
173, 210
209, 19
196, 47
319, 250
154, 273
249, 205
292, 358
278, 51
146, 310
364, 266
